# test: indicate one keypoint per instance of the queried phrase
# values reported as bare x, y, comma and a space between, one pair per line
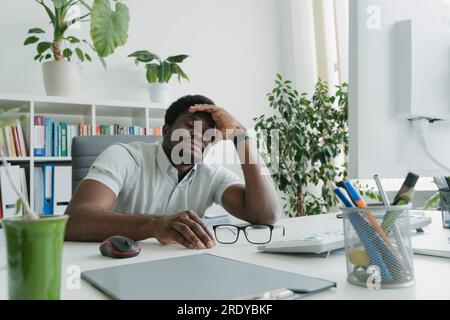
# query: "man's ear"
165, 131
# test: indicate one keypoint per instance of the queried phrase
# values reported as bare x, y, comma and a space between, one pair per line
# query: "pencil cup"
378, 247
445, 207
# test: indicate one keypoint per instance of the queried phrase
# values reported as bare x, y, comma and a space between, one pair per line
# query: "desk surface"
431, 272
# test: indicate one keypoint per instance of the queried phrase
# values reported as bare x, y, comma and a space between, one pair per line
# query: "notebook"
197, 277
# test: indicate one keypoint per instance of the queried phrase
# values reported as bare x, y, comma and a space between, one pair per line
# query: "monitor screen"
399, 71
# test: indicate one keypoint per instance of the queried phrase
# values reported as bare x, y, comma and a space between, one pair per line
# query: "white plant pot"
159, 93
63, 78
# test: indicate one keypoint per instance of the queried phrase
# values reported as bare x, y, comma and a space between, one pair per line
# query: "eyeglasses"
255, 234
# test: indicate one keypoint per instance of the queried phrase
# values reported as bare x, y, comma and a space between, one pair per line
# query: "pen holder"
445, 207
378, 247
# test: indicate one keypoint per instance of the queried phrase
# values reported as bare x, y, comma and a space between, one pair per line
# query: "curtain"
316, 41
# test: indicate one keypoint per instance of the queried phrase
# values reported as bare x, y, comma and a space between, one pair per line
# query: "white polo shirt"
145, 181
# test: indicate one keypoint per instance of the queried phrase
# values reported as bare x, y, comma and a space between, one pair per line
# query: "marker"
360, 203
391, 216
408, 186
342, 195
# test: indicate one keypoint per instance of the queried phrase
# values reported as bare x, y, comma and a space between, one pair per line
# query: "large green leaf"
144, 56
87, 6
177, 70
42, 46
50, 13
36, 30
164, 72
60, 3
177, 59
109, 29
67, 53
80, 54
73, 39
152, 72
30, 40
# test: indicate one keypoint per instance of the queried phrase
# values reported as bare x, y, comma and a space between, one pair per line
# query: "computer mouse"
119, 247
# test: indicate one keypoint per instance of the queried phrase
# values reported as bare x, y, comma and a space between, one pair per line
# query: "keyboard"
323, 242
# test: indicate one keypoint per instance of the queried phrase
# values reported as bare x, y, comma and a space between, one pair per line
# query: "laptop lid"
197, 277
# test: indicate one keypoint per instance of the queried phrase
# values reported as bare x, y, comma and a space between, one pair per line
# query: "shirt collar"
165, 165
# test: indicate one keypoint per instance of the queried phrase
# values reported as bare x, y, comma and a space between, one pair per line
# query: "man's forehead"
204, 117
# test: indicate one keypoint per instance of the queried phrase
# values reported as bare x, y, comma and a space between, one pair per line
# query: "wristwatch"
240, 135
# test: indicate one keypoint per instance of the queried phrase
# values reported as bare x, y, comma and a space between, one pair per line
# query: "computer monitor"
399, 71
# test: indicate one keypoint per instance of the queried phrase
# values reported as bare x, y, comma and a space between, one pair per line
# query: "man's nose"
197, 135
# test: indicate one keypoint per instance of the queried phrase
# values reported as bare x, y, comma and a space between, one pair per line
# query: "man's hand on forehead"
224, 121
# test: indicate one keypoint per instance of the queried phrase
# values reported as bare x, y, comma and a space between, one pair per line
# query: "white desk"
432, 274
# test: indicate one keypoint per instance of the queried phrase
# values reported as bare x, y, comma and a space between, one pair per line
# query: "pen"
381, 191
276, 294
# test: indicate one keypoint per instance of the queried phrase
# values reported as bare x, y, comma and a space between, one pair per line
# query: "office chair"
86, 149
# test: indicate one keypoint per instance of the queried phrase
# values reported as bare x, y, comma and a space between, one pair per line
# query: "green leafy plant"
109, 30
7, 118
312, 133
158, 70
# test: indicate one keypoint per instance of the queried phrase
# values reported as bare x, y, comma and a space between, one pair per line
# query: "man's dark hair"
182, 105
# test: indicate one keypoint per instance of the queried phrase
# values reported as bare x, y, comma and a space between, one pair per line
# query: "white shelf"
18, 159
18, 98
72, 111
52, 159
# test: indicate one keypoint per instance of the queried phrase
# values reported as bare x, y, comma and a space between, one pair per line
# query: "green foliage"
18, 206
313, 132
158, 70
108, 31
9, 117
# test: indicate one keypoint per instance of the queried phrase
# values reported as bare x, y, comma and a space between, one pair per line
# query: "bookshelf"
73, 111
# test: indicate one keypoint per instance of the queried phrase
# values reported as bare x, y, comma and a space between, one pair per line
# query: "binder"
39, 136
48, 136
63, 189
55, 139
69, 140
23, 181
9, 196
48, 174
38, 190
63, 139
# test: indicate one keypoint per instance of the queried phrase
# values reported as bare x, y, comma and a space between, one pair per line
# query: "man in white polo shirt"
161, 190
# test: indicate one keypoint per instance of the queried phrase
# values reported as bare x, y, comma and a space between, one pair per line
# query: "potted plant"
34, 245
312, 134
63, 54
159, 72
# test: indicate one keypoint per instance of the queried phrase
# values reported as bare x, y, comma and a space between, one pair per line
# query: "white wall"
235, 47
